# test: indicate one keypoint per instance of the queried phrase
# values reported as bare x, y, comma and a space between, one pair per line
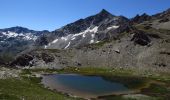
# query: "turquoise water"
83, 86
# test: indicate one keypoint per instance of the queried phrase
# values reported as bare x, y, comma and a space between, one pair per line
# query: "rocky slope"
162, 20
110, 41
157, 21
15, 40
90, 30
133, 50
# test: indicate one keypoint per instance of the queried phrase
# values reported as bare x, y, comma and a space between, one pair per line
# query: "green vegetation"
111, 97
106, 72
6, 57
152, 30
29, 87
97, 71
157, 90
53, 50
130, 82
126, 97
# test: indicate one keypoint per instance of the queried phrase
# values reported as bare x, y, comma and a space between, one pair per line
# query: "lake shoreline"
47, 82
157, 88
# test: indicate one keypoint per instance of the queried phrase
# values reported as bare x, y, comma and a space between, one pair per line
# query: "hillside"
105, 40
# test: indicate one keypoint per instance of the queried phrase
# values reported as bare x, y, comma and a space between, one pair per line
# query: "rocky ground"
9, 73
138, 43
149, 50
142, 45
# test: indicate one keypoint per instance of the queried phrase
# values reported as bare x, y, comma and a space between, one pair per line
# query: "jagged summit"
82, 24
167, 11
105, 13
98, 40
140, 18
84, 31
144, 14
18, 29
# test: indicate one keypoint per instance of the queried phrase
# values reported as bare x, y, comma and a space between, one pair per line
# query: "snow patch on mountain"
94, 30
64, 38
113, 27
10, 34
2, 41
25, 36
67, 45
91, 41
45, 47
55, 41
72, 37
97, 41
93, 35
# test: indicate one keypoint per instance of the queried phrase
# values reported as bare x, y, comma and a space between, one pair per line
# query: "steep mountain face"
17, 39
136, 49
139, 19
157, 21
163, 15
90, 30
104, 40
162, 20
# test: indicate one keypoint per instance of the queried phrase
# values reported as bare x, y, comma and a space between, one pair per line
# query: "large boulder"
23, 60
141, 38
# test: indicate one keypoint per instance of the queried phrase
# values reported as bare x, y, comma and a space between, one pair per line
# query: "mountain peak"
144, 14
18, 29
167, 11
104, 12
140, 18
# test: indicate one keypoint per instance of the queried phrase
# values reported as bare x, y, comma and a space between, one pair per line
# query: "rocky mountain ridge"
104, 40
17, 39
90, 30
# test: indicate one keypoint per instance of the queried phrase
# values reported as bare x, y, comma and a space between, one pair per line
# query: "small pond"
83, 86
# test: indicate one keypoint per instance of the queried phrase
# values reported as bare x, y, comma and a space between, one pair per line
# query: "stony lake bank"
19, 84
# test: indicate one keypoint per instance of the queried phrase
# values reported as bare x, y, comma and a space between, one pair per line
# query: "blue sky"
52, 14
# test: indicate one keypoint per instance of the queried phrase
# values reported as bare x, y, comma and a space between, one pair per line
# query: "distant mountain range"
119, 36
17, 39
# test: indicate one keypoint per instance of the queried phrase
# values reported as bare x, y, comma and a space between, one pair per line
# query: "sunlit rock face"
90, 30
104, 40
